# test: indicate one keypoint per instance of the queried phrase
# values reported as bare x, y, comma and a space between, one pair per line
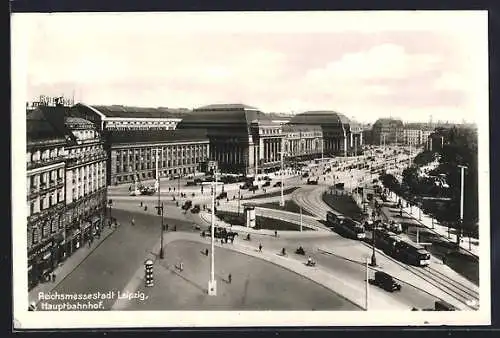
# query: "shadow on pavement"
189, 281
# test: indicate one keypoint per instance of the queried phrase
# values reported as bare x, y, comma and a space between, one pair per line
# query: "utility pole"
239, 199
300, 218
160, 204
212, 283
366, 284
282, 153
462, 174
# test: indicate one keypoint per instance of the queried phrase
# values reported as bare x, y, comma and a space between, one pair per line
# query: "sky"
407, 65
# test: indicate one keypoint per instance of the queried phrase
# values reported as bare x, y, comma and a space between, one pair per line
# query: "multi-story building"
119, 120
133, 153
417, 133
302, 140
387, 131
45, 164
341, 136
117, 117
242, 138
66, 186
85, 183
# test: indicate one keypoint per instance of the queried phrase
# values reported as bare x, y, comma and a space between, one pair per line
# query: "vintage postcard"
250, 169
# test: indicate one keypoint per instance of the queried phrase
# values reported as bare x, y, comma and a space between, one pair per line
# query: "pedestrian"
53, 277
181, 266
206, 252
133, 221
145, 208
275, 233
260, 247
129, 188
229, 278
141, 203
90, 243
169, 189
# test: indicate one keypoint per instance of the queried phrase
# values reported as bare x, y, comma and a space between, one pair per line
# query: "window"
34, 236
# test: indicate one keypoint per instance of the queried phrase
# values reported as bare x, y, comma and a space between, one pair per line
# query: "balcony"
33, 192
43, 162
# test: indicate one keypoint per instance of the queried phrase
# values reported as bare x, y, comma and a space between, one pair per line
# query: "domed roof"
321, 117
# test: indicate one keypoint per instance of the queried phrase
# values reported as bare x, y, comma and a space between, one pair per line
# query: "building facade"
242, 138
417, 133
45, 164
387, 131
119, 120
341, 136
133, 154
302, 140
66, 185
86, 184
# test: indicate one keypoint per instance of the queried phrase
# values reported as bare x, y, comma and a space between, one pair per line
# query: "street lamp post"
462, 173
282, 153
300, 218
366, 284
212, 283
239, 199
373, 258
160, 204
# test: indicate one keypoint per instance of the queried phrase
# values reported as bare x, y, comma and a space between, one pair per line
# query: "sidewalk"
70, 264
467, 244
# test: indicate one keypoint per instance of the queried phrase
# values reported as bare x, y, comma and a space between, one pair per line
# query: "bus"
411, 253
346, 226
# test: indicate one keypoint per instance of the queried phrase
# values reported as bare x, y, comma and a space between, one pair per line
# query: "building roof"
300, 127
46, 123
150, 136
230, 114
387, 123
320, 117
229, 106
139, 112
70, 120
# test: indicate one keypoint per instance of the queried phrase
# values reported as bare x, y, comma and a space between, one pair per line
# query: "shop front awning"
47, 255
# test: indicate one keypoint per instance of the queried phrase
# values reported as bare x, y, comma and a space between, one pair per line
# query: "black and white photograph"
198, 169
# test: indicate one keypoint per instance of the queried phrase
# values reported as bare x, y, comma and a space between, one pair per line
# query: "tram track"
442, 282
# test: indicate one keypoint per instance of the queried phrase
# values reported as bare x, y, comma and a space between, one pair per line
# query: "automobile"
277, 184
196, 209
310, 181
267, 184
397, 228
385, 281
267, 178
253, 188
187, 205
222, 195
305, 175
190, 183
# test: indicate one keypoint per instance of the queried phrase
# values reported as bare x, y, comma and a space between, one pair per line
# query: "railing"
41, 163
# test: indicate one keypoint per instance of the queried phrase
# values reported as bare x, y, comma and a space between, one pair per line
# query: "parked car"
196, 209
277, 184
305, 175
267, 184
253, 188
385, 281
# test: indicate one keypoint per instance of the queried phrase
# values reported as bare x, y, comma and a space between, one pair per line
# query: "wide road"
110, 266
255, 284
